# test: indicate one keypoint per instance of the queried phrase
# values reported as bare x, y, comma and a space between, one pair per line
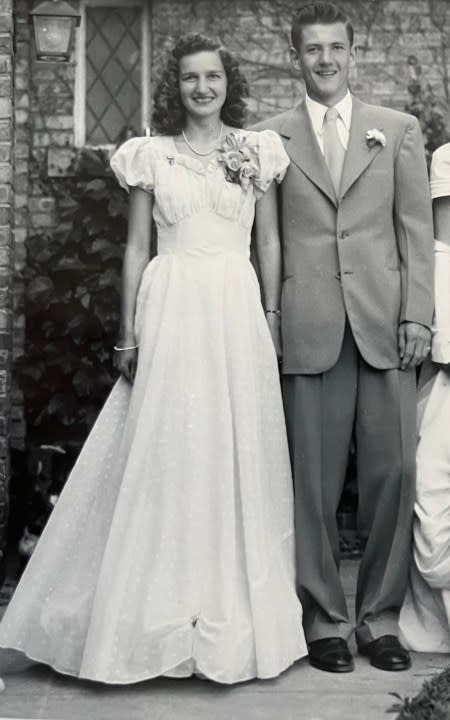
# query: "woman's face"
203, 83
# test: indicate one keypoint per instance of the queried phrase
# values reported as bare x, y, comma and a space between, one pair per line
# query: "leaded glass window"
113, 73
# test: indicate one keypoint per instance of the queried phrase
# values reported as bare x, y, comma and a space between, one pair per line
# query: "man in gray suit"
356, 309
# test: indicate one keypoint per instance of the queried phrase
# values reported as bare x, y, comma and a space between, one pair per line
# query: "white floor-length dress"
171, 548
425, 616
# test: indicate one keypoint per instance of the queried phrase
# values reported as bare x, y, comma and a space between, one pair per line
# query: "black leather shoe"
331, 654
387, 653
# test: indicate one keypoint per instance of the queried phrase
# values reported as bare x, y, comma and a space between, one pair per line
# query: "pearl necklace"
197, 152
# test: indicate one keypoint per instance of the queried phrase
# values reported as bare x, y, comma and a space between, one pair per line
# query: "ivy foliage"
428, 108
72, 303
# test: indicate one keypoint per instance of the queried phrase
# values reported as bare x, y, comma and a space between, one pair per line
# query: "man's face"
324, 59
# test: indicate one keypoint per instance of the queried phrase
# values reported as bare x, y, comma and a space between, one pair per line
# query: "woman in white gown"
425, 616
171, 549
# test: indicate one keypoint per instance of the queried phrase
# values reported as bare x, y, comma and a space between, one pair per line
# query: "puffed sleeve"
133, 163
440, 172
273, 160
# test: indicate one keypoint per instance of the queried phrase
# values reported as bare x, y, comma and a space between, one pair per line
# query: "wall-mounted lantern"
54, 23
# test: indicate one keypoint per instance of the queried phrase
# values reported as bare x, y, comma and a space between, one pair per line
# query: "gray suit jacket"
366, 255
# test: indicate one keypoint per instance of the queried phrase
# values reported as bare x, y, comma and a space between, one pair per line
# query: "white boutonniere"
375, 137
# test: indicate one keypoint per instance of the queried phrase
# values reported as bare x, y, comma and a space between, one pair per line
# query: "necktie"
333, 149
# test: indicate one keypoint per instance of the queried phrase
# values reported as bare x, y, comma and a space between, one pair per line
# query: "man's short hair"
325, 13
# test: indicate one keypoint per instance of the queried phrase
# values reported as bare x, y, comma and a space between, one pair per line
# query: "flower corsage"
375, 137
240, 160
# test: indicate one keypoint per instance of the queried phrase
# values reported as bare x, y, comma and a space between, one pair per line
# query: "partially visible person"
171, 549
425, 616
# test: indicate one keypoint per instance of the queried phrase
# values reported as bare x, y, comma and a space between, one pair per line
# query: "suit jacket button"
338, 276
343, 234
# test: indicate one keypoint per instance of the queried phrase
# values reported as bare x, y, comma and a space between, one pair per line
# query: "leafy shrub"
427, 108
432, 702
72, 303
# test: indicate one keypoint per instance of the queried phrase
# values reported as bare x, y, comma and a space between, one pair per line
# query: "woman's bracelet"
129, 347
275, 312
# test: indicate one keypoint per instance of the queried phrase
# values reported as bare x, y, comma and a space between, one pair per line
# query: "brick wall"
6, 254
388, 32
22, 141
43, 120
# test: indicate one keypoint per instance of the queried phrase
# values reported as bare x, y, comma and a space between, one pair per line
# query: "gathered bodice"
185, 187
194, 201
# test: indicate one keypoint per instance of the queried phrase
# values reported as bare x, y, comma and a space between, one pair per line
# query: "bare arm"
268, 248
136, 258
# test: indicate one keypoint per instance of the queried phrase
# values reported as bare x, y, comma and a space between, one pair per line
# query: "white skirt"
171, 548
425, 616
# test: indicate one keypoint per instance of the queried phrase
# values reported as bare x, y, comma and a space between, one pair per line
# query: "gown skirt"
171, 548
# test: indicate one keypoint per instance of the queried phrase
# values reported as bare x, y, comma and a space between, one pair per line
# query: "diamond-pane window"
113, 102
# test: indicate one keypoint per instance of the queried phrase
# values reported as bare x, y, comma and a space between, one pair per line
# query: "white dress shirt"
316, 112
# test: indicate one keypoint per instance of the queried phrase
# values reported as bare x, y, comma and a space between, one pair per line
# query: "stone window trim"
80, 65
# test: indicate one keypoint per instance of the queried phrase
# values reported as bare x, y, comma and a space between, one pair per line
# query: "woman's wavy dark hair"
168, 111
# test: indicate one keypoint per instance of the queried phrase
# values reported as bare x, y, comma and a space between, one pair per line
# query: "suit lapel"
304, 151
359, 155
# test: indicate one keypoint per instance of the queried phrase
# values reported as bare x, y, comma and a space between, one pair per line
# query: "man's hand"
414, 344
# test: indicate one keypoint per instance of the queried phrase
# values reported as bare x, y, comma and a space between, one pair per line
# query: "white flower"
374, 137
239, 159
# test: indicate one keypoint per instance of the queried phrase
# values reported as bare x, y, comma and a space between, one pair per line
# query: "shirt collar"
317, 112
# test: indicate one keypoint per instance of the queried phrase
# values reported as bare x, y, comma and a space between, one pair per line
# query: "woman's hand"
125, 361
274, 323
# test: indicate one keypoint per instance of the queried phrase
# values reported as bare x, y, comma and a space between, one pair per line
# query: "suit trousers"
323, 413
